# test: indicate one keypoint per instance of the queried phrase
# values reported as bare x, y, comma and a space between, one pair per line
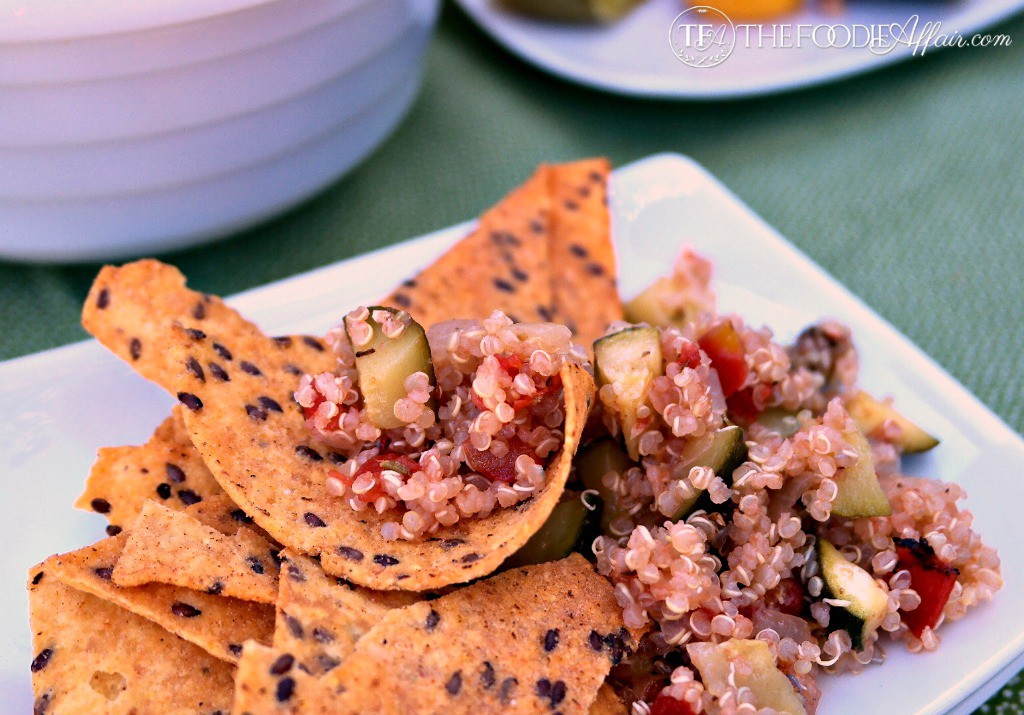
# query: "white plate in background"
60, 406
632, 56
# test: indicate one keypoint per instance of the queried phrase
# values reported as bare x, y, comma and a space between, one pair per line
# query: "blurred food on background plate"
611, 10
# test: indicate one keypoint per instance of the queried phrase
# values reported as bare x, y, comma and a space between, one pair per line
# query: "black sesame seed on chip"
222, 351
471, 558
189, 497
454, 684
255, 564
184, 610
351, 554
269, 404
433, 618
317, 523
502, 284
199, 311
449, 544
37, 578
295, 573
193, 366
385, 560
190, 401
235, 649
250, 368
41, 660
487, 676
283, 664
175, 474
508, 687
218, 372
195, 333
104, 572
285, 689
163, 490
294, 626
322, 635
103, 299
101, 506
113, 530
42, 704
551, 640
282, 341
135, 348
596, 641
309, 453
313, 343
256, 413
215, 589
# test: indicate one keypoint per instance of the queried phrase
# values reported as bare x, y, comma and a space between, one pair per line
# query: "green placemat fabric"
906, 184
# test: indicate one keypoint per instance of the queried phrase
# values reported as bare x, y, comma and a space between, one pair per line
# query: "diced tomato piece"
787, 597
665, 705
742, 408
499, 469
375, 466
689, 355
932, 578
722, 344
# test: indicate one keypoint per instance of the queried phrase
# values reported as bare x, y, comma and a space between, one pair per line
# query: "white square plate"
60, 406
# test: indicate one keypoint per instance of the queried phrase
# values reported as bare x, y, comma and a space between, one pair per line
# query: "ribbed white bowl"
190, 122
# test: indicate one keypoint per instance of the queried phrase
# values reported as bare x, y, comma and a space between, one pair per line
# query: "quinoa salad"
756, 513
471, 432
501, 489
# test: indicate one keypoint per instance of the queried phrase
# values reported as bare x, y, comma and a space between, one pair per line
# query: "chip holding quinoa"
544, 501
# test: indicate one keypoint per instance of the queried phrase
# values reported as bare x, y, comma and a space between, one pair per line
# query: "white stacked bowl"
133, 127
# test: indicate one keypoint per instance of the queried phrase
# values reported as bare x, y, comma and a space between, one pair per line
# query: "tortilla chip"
167, 469
583, 277
166, 546
608, 703
532, 640
92, 657
503, 264
216, 624
319, 618
269, 680
254, 438
225, 516
130, 308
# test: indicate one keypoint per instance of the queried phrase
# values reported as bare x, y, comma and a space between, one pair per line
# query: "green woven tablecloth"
906, 184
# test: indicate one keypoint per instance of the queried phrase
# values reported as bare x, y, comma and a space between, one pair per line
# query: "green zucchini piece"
592, 464
561, 534
383, 365
628, 359
779, 419
870, 414
860, 494
849, 582
722, 451
749, 664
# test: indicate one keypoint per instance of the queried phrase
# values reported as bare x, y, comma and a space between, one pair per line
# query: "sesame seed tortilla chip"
608, 703
216, 624
583, 264
167, 468
269, 682
91, 656
130, 308
171, 547
319, 619
225, 516
519, 642
503, 264
253, 437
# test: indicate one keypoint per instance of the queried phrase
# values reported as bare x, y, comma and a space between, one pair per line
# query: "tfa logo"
702, 36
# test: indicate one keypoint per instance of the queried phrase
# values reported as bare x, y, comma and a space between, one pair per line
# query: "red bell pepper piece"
722, 344
931, 577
